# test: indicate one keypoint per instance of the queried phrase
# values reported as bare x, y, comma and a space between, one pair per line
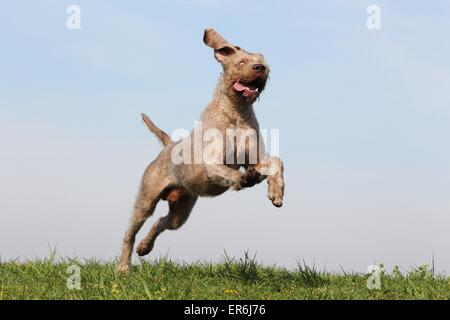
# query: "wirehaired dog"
231, 157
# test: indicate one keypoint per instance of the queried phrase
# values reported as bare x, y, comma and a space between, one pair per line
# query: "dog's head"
245, 74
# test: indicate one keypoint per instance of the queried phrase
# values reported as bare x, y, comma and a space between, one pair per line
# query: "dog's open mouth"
249, 89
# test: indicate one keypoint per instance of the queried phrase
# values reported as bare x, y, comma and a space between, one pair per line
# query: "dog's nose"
259, 67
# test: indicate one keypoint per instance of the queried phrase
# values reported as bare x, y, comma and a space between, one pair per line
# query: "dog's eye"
242, 63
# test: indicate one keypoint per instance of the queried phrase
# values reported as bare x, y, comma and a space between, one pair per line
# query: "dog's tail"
161, 135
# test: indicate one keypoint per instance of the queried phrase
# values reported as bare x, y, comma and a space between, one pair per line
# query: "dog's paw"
238, 181
144, 248
251, 177
276, 191
123, 268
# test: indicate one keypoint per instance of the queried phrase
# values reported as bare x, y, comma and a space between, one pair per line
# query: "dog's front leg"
276, 182
271, 168
225, 176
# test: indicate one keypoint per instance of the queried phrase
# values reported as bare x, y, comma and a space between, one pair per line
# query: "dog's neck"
236, 109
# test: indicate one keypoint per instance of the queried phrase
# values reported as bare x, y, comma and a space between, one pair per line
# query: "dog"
180, 183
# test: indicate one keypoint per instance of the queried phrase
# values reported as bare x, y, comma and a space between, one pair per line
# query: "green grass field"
231, 279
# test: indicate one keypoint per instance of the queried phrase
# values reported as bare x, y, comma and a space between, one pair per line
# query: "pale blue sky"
364, 118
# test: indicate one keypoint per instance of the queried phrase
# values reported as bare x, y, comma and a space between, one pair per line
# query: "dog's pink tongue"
239, 87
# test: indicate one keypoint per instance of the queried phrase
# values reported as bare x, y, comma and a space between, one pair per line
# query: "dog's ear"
223, 53
222, 48
214, 40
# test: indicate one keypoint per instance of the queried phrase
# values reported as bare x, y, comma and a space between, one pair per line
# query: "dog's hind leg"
152, 189
143, 209
181, 203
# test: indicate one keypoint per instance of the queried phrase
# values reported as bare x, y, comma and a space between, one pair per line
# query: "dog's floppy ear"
222, 48
214, 40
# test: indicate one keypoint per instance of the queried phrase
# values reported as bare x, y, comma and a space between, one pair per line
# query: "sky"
364, 120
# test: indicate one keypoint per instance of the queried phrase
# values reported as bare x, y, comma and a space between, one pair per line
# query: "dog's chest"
239, 132
242, 143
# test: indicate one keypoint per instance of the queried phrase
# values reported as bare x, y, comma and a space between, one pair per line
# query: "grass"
242, 278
